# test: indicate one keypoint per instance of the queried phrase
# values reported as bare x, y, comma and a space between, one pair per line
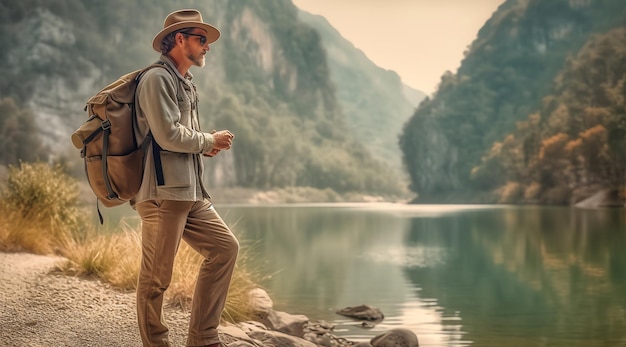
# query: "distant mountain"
505, 77
374, 100
268, 79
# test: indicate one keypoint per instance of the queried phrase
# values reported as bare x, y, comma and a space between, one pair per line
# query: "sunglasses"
203, 39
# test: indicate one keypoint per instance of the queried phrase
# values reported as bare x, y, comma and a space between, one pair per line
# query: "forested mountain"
534, 113
575, 144
373, 99
267, 79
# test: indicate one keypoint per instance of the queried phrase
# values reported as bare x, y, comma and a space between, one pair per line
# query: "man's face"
194, 48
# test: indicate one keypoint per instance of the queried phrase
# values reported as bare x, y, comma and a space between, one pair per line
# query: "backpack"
114, 161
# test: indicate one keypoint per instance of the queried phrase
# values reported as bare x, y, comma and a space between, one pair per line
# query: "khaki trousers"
164, 223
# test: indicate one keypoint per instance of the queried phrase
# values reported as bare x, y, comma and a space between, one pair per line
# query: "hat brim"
212, 34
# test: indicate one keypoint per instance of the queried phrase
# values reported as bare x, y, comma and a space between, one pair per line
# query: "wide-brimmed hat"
184, 19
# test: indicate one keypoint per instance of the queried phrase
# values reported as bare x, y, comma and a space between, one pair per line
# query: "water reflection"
529, 276
455, 275
330, 257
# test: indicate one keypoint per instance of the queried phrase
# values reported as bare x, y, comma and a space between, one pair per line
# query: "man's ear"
179, 38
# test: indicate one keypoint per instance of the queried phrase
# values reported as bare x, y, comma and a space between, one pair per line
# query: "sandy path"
39, 308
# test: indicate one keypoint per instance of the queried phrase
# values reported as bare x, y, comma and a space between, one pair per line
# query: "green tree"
576, 143
506, 74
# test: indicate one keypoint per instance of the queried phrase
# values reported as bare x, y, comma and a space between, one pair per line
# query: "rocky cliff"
267, 79
505, 74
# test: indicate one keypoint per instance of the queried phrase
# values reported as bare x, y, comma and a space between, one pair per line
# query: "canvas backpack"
114, 161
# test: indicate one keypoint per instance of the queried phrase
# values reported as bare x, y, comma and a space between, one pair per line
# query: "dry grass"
113, 257
40, 214
19, 233
39, 209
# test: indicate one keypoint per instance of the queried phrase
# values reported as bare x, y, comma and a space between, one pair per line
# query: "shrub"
40, 208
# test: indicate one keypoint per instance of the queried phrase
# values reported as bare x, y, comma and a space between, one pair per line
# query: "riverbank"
40, 306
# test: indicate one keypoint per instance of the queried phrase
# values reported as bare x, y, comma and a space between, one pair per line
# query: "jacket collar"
188, 76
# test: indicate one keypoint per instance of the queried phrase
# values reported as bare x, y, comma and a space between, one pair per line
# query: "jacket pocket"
184, 105
177, 169
185, 112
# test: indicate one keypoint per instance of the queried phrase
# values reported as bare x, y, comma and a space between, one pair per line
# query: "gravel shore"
41, 308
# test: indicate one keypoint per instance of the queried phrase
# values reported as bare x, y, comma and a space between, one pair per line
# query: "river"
456, 275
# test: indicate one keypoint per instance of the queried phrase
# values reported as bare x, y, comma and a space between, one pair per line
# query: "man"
173, 202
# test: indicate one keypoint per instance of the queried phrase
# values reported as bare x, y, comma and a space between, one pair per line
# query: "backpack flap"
123, 91
98, 99
96, 106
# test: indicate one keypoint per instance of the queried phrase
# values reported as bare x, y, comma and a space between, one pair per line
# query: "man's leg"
207, 233
162, 225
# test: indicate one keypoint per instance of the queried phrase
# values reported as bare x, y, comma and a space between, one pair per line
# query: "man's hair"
169, 41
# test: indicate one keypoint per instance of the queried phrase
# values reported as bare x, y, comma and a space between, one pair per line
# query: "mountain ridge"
267, 79
506, 73
383, 102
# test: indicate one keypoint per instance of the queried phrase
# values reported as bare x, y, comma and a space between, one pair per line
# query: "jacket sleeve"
157, 96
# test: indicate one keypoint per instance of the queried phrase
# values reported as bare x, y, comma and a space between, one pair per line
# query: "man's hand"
212, 153
223, 140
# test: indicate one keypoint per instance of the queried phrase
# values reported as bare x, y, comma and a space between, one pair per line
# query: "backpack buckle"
106, 124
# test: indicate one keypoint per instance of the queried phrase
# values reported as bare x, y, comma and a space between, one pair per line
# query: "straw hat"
184, 19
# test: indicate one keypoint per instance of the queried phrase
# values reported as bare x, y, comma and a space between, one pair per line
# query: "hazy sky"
419, 39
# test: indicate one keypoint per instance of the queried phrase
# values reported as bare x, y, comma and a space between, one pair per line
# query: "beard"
198, 60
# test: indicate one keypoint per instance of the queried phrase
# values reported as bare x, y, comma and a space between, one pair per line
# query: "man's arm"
157, 96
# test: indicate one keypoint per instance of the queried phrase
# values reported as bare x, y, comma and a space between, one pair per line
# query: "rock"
262, 306
321, 334
235, 332
367, 325
286, 323
252, 326
254, 333
260, 302
363, 312
396, 338
241, 344
319, 325
320, 340
278, 339
603, 198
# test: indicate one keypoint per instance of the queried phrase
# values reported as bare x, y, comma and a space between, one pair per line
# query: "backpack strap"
156, 154
156, 149
106, 128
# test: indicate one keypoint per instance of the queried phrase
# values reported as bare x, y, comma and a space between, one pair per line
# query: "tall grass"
40, 213
112, 257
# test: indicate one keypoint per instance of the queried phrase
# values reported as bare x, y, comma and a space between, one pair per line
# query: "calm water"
455, 275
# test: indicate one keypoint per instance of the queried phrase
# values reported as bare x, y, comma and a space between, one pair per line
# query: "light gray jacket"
168, 107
